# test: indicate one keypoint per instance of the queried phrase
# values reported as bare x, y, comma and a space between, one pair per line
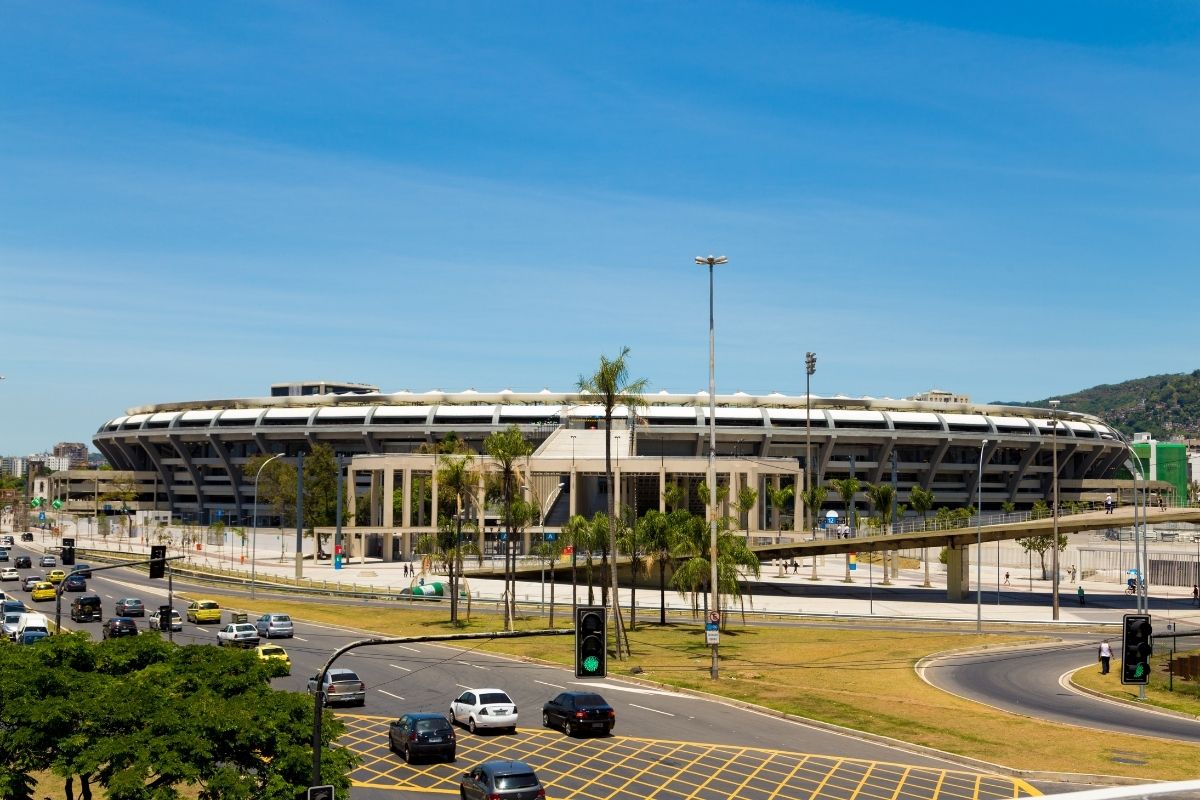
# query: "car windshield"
133, 603
493, 697
273, 651
518, 780
281, 618
589, 700
209, 604
343, 677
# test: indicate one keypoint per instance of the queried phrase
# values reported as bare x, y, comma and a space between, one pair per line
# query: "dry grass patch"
1185, 698
857, 678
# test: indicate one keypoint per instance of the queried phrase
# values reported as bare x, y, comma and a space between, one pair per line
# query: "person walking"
1079, 594
1006, 583
1108, 504
1105, 657
1196, 594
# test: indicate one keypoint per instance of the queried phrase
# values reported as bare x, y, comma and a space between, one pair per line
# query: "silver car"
342, 686
155, 621
270, 626
506, 780
237, 634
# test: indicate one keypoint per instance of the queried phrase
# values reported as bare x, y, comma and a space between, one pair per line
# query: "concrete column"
662, 489
351, 500
798, 506
574, 494
480, 499
389, 487
958, 573
374, 497
406, 501
616, 490
433, 497
754, 518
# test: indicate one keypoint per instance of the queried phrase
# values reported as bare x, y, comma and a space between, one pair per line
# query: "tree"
612, 386
506, 447
691, 546
780, 499
629, 542
458, 478
882, 495
673, 496
320, 491
1041, 544
922, 501
847, 488
449, 546
550, 551
746, 499
276, 485
593, 538
813, 498
654, 534
573, 534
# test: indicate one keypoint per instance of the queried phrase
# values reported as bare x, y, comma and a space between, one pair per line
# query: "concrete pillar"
662, 489
433, 497
572, 511
754, 518
389, 488
958, 573
406, 501
374, 498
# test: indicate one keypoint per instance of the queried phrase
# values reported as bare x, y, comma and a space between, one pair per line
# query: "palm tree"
592, 537
674, 496
458, 478
746, 499
881, 496
573, 533
655, 534
448, 545
922, 500
780, 499
550, 551
612, 386
847, 488
691, 545
814, 497
506, 447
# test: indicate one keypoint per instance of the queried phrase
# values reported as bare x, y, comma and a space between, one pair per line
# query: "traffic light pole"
58, 590
319, 695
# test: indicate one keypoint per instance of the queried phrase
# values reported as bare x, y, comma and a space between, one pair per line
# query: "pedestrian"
1108, 504
1196, 594
1105, 657
1074, 572
1079, 594
1162, 502
1006, 583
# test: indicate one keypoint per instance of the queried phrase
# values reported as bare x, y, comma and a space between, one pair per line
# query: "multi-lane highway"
666, 744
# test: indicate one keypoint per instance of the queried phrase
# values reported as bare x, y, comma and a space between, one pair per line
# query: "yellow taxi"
56, 576
276, 658
202, 611
43, 590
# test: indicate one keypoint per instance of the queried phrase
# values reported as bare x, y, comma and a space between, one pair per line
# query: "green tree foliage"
781, 500
881, 496
458, 479
506, 447
1041, 545
847, 488
142, 719
922, 501
814, 497
276, 484
277, 488
691, 546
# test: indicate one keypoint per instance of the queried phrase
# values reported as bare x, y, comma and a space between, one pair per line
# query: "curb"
1099, 695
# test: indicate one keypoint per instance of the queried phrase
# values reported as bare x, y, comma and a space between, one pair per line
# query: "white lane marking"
462, 686
551, 685
201, 630
397, 666
469, 664
389, 694
618, 687
300, 639
655, 710
410, 649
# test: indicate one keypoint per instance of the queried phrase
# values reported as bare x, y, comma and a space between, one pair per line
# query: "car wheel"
471, 724
407, 756
545, 720
566, 727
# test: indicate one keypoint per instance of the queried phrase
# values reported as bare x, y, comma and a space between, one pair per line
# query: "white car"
238, 634
9, 574
176, 621
484, 708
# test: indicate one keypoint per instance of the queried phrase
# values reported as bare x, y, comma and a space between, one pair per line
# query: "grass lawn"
861, 679
1185, 698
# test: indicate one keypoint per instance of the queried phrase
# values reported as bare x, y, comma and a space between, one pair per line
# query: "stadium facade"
196, 450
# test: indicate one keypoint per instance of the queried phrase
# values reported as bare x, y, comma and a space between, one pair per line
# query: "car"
341, 687
29, 637
86, 608
202, 611
130, 607
74, 583
56, 576
48, 561
30, 581
576, 712
83, 569
276, 656
154, 622
23, 562
3, 554
43, 590
8, 628
9, 574
6, 540
27, 536
271, 625
116, 627
13, 605
237, 634
501, 780
420, 735
484, 708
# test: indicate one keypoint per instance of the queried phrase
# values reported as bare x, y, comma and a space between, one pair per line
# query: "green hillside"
1167, 406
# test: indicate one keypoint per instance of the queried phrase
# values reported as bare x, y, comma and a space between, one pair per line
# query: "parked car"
272, 625
30, 581
86, 608
27, 536
155, 622
130, 607
43, 590
74, 583
341, 687
83, 569
202, 611
276, 656
56, 576
115, 627
484, 708
23, 562
48, 561
420, 735
576, 712
501, 780
9, 574
237, 634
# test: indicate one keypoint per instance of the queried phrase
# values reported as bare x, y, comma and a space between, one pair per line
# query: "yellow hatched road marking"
789, 777
900, 782
714, 774
825, 780
861, 781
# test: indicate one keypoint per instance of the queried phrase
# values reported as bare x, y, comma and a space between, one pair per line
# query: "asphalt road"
665, 745
1031, 681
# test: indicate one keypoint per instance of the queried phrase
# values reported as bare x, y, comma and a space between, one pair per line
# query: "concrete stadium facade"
197, 449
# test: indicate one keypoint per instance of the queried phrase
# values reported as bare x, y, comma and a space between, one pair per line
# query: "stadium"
188, 456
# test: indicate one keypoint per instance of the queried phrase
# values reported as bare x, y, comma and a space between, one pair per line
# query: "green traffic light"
591, 664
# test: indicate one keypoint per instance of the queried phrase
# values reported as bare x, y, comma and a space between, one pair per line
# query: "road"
666, 745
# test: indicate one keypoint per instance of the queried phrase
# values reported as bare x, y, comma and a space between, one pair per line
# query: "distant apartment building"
51, 462
76, 454
14, 466
941, 396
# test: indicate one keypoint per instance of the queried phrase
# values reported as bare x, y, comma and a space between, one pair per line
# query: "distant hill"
1167, 406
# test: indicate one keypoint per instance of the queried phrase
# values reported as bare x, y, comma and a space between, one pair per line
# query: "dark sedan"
74, 583
422, 735
115, 627
23, 562
577, 712
130, 607
83, 569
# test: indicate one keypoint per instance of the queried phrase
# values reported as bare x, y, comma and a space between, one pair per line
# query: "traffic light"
1136, 648
158, 564
68, 556
591, 642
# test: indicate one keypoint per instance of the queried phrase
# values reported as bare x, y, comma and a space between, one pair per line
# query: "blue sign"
337, 560
220, 513
710, 626
108, 506
551, 536
503, 536
41, 516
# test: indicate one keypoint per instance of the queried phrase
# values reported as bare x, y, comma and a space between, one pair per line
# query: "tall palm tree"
922, 501
550, 551
814, 497
612, 386
746, 500
691, 545
506, 447
847, 488
573, 534
780, 499
630, 543
457, 478
592, 537
448, 545
654, 536
881, 496
674, 497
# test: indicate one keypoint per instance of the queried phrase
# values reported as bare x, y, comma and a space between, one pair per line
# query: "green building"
1165, 461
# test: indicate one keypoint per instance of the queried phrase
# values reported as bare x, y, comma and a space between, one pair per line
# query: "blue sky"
200, 199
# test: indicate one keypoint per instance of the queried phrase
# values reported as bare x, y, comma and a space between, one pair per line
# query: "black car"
419, 735
115, 627
74, 583
502, 780
577, 712
130, 607
26, 537
23, 562
86, 608
83, 569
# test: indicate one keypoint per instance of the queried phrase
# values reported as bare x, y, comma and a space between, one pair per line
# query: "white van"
32, 621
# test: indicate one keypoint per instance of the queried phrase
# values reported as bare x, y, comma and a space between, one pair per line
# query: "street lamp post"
712, 261
810, 366
254, 525
979, 541
1054, 493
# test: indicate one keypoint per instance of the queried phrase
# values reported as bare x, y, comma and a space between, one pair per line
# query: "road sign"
712, 635
68, 542
41, 516
551, 536
220, 513
320, 793
714, 617
57, 503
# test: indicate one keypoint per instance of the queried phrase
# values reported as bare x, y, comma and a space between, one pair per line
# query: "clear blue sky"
200, 199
